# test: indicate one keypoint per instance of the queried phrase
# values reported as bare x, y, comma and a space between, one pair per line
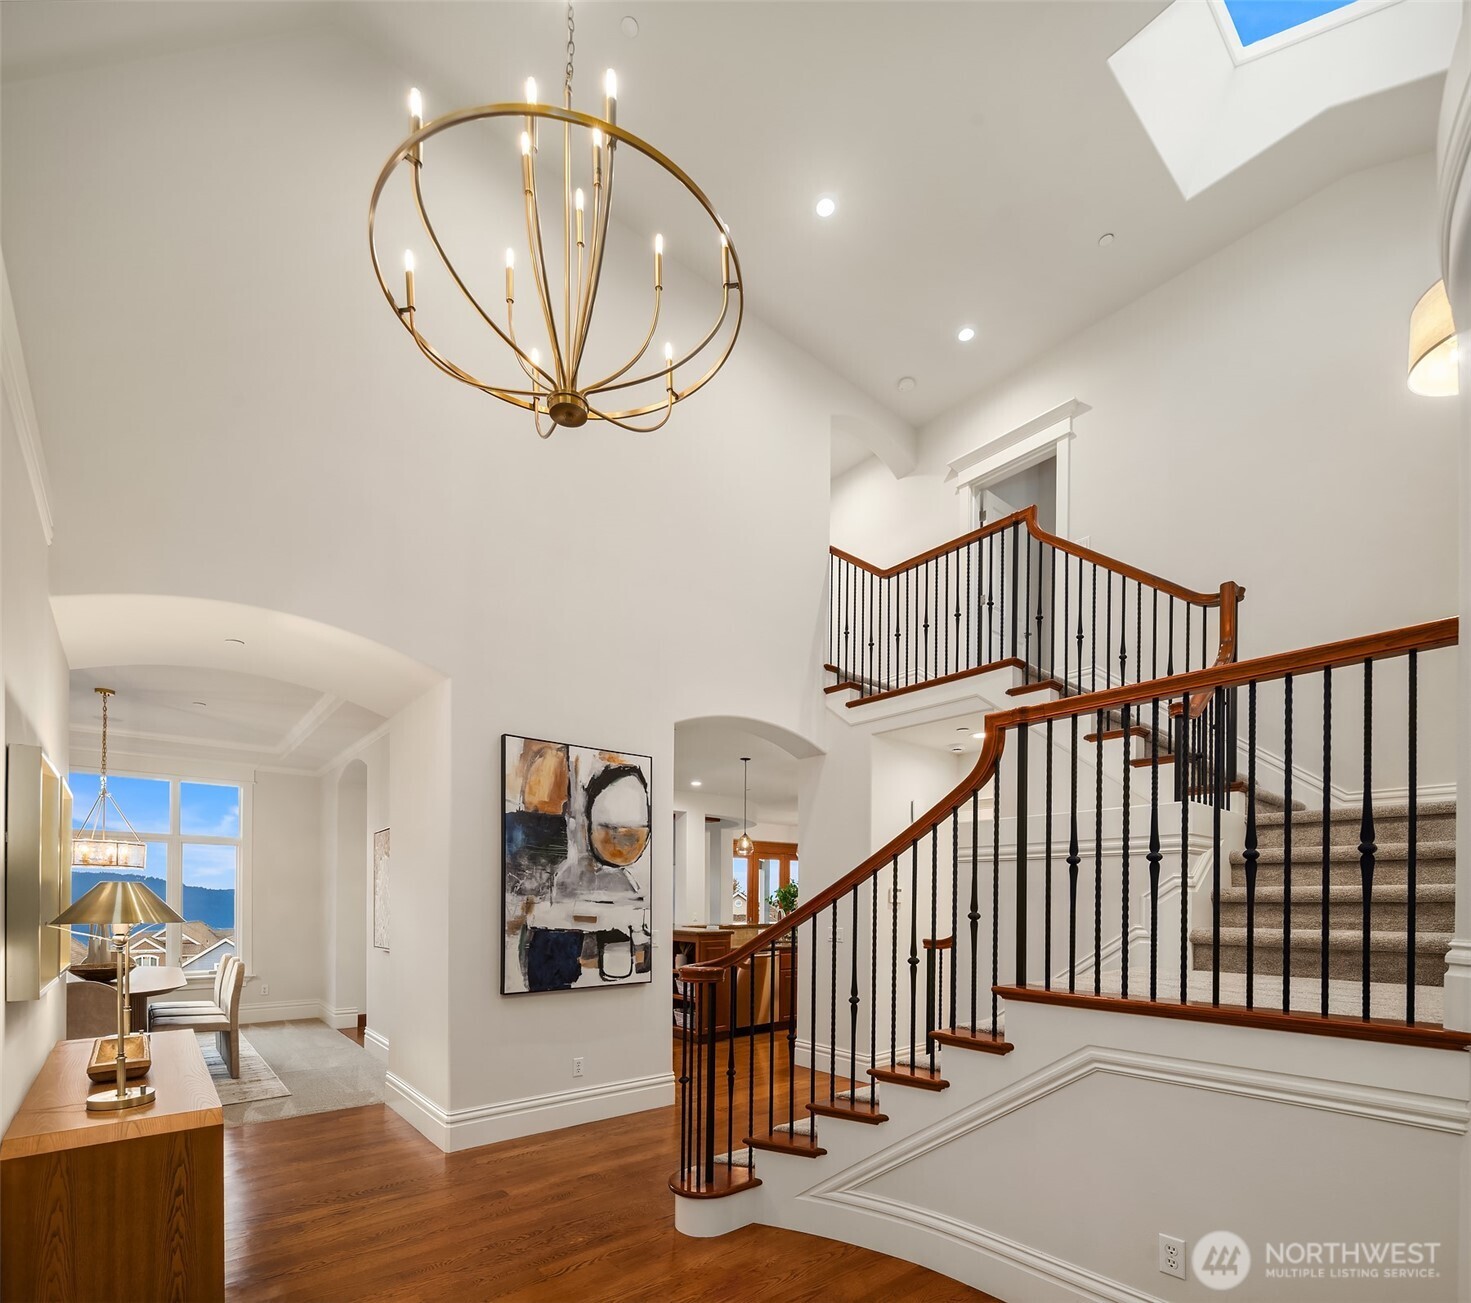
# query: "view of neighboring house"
202, 947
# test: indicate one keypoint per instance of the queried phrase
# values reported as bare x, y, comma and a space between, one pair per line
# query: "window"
195, 831
772, 865
1256, 20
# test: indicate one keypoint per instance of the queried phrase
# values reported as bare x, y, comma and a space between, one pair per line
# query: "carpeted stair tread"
1339, 939
1349, 851
1389, 893
1353, 813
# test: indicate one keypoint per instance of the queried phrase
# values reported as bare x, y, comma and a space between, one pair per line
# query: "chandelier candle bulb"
408, 280
724, 260
610, 96
658, 262
416, 119
578, 202
510, 275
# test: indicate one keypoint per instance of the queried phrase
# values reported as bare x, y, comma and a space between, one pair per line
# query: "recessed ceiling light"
240, 642
199, 703
957, 749
962, 728
904, 384
967, 333
629, 26
1105, 239
695, 782
827, 206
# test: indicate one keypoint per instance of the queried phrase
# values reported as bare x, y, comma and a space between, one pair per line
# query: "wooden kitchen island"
115, 1206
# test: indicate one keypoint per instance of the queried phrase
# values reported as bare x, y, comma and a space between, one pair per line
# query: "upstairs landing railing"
1010, 593
1026, 897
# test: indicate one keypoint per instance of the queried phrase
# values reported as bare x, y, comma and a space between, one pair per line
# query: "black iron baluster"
852, 994
995, 895
1181, 725
925, 627
1218, 764
945, 662
710, 1088
1040, 586
1327, 835
1412, 837
1107, 627
1188, 606
1024, 540
1123, 629
1080, 624
832, 1030
1138, 631
792, 1040
812, 1023
873, 978
730, 1076
1367, 847
1154, 855
1002, 536
931, 1013
913, 943
1287, 844
1170, 639
1124, 889
970, 613
1067, 623
939, 617
975, 901
776, 990
990, 598
871, 678
1154, 635
684, 1081
1073, 860
1093, 639
1098, 854
1022, 885
751, 1051
894, 966
1015, 584
954, 905
1251, 854
896, 659
697, 1113
1047, 872
847, 661
1052, 619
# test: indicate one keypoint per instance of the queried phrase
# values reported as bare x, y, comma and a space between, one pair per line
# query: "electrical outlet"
577, 1067
1172, 1256
265, 988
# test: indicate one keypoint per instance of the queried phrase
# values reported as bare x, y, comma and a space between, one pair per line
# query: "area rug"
319, 1069
256, 1080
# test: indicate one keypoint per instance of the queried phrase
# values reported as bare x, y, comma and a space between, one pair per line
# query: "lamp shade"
117, 904
107, 853
1433, 367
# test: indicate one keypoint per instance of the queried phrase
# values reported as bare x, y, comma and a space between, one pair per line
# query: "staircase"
1434, 897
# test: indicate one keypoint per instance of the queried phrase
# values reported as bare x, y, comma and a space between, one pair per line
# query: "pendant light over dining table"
556, 381
744, 846
94, 844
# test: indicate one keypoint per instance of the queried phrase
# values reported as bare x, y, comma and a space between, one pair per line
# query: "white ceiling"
215, 714
711, 751
976, 151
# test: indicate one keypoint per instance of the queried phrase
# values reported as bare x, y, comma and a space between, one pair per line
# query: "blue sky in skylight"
1256, 20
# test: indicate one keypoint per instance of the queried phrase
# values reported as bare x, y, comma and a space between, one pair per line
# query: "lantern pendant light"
744, 846
93, 845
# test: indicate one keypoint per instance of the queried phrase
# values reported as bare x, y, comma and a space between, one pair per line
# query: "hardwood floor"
357, 1205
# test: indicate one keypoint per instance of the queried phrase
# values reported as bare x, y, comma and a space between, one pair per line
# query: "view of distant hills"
212, 906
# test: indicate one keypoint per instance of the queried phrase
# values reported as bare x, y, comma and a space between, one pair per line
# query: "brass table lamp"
119, 906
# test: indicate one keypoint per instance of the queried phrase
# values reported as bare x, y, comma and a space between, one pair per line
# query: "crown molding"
22, 407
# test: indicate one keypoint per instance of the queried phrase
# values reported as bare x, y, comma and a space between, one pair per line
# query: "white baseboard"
282, 1011
375, 1043
468, 1128
341, 1019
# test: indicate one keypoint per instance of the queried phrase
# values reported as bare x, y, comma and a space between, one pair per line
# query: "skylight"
1256, 20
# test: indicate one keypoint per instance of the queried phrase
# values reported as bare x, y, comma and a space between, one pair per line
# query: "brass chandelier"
632, 397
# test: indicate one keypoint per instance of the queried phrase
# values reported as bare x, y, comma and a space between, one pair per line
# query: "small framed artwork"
380, 889
576, 865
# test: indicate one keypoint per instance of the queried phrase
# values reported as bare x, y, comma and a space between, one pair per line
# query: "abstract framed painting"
576, 865
380, 889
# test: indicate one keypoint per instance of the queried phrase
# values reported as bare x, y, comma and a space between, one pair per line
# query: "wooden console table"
115, 1206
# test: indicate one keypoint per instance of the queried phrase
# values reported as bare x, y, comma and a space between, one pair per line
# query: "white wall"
380, 989
452, 534
34, 670
1251, 422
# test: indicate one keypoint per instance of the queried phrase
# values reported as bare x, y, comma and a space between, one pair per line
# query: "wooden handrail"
1350, 651
973, 782
1028, 516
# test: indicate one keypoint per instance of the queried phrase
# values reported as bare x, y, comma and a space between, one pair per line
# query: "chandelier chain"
571, 48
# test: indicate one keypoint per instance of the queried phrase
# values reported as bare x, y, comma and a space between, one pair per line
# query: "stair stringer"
1049, 1173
